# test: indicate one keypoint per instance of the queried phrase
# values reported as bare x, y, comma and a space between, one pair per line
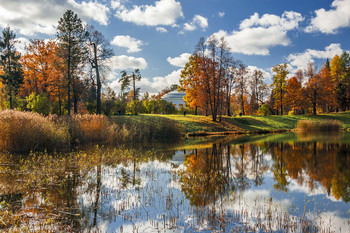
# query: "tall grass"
25, 131
312, 125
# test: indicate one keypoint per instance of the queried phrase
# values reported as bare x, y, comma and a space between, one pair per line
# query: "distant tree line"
216, 84
66, 74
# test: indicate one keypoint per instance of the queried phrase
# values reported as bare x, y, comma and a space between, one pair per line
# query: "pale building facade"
176, 98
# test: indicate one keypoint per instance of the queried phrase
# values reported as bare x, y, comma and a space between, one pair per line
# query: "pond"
280, 183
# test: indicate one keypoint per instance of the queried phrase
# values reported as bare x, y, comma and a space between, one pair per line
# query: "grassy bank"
26, 131
202, 124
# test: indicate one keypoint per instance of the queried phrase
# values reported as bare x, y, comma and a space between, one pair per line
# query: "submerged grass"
26, 131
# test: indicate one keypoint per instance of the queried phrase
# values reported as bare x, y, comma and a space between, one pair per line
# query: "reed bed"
25, 131
312, 125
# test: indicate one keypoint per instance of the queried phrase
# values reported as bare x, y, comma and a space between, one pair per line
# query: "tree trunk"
75, 97
98, 80
69, 81
11, 102
314, 103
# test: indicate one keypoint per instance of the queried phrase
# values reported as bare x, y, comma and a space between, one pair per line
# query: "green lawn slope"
197, 124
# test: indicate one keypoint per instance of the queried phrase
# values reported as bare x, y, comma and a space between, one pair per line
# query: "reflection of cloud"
332, 222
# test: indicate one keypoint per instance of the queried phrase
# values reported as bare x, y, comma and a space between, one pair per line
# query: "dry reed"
326, 125
26, 131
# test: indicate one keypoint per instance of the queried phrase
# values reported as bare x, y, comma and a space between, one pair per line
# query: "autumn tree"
314, 87
241, 87
11, 76
191, 81
258, 89
294, 94
229, 82
71, 35
214, 61
340, 72
98, 51
43, 71
279, 85
328, 97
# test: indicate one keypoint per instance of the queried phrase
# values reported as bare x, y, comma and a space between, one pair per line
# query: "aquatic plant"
26, 131
314, 125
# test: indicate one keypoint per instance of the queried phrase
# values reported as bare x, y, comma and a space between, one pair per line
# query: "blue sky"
157, 36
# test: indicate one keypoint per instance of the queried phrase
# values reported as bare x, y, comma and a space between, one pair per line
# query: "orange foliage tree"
293, 96
43, 71
192, 81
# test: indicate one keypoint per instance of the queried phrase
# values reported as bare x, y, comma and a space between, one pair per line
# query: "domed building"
176, 98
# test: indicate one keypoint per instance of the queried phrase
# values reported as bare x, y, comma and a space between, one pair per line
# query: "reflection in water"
223, 186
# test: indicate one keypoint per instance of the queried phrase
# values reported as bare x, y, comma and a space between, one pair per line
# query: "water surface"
280, 182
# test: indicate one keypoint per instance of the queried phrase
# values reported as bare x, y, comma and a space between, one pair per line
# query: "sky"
158, 36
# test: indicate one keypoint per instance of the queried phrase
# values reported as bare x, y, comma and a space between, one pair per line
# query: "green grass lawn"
251, 123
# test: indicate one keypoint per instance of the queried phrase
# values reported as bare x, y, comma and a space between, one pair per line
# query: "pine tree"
12, 76
71, 34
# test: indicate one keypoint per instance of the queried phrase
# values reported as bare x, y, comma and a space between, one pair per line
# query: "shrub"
25, 131
326, 125
263, 110
38, 103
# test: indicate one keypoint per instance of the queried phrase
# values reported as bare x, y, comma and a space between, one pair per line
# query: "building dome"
176, 98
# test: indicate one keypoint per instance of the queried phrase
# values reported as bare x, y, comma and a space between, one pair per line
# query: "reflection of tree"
241, 167
206, 177
259, 167
279, 169
42, 187
341, 180
311, 163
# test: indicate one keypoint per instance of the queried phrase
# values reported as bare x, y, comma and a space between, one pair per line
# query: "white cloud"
330, 21
163, 12
161, 29
133, 45
197, 22
155, 84
31, 16
179, 61
125, 62
221, 14
300, 60
258, 34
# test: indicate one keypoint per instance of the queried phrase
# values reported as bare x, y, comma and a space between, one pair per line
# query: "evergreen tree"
9, 62
71, 34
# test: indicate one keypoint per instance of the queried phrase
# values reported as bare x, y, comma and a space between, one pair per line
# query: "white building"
176, 98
